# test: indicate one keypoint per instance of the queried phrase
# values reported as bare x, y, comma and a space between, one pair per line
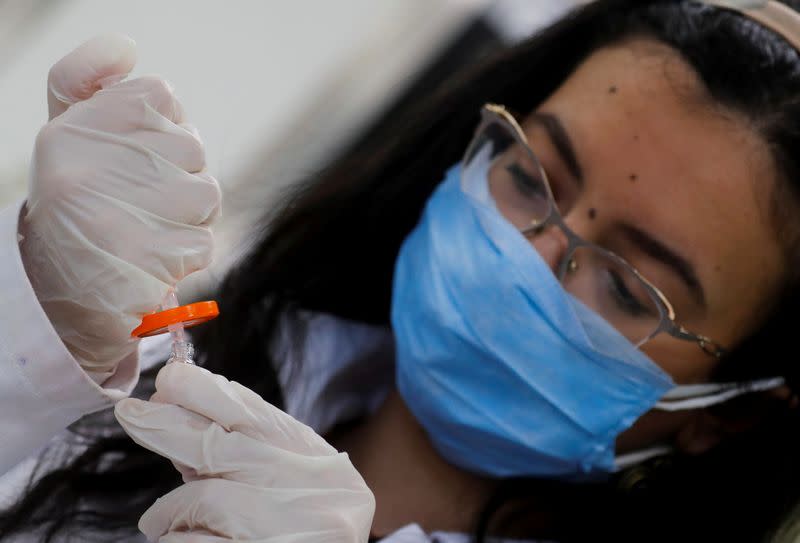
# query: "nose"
551, 244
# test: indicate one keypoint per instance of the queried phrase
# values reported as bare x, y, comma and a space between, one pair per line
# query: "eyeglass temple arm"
708, 345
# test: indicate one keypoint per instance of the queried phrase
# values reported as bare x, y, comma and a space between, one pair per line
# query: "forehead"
658, 153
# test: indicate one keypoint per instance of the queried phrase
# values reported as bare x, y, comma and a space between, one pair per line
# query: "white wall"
243, 69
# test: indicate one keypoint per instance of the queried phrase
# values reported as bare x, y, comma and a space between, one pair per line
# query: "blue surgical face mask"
508, 373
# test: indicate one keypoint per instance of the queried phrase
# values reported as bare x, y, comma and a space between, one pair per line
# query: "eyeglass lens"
601, 280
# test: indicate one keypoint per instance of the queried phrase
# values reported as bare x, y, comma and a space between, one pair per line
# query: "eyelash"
624, 298
524, 182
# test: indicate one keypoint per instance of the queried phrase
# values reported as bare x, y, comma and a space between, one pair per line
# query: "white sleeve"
42, 388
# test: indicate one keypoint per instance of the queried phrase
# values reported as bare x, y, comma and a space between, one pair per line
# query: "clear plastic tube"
182, 350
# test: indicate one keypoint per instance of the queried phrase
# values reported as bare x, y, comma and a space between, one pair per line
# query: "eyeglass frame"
493, 113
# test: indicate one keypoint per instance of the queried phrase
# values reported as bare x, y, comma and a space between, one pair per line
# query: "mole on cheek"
592, 213
633, 177
612, 89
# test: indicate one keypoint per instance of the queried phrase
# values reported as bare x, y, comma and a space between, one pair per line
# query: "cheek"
684, 361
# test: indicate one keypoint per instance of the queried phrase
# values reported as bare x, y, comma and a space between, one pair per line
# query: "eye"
624, 299
527, 185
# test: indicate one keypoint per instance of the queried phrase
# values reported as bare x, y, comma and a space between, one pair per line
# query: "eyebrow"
558, 135
646, 243
651, 246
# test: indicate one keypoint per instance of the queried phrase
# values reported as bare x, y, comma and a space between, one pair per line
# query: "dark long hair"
331, 244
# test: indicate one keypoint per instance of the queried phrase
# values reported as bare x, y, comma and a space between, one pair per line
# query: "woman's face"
643, 163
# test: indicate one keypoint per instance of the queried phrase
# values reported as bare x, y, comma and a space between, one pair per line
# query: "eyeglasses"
600, 279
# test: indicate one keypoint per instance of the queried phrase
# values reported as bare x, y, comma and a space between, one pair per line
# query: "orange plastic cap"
190, 315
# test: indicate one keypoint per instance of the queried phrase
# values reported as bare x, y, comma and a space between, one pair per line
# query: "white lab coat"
42, 388
346, 371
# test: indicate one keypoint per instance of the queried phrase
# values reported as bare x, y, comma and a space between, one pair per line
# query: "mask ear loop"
685, 397
627, 460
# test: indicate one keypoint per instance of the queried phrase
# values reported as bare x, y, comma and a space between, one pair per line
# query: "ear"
708, 427
702, 433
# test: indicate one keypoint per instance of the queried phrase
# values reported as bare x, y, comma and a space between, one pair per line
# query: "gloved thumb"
95, 64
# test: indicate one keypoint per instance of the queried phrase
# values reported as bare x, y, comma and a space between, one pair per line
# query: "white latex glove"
251, 472
119, 204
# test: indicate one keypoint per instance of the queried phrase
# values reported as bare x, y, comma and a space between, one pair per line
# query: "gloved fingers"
237, 409
161, 188
153, 91
174, 143
192, 199
192, 129
144, 103
140, 112
200, 448
174, 251
246, 513
133, 173
216, 209
92, 65
131, 242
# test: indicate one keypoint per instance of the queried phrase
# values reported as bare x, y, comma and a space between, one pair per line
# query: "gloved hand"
251, 472
119, 204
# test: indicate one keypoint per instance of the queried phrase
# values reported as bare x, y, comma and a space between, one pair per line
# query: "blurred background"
276, 88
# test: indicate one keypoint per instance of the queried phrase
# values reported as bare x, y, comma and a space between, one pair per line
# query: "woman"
667, 134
